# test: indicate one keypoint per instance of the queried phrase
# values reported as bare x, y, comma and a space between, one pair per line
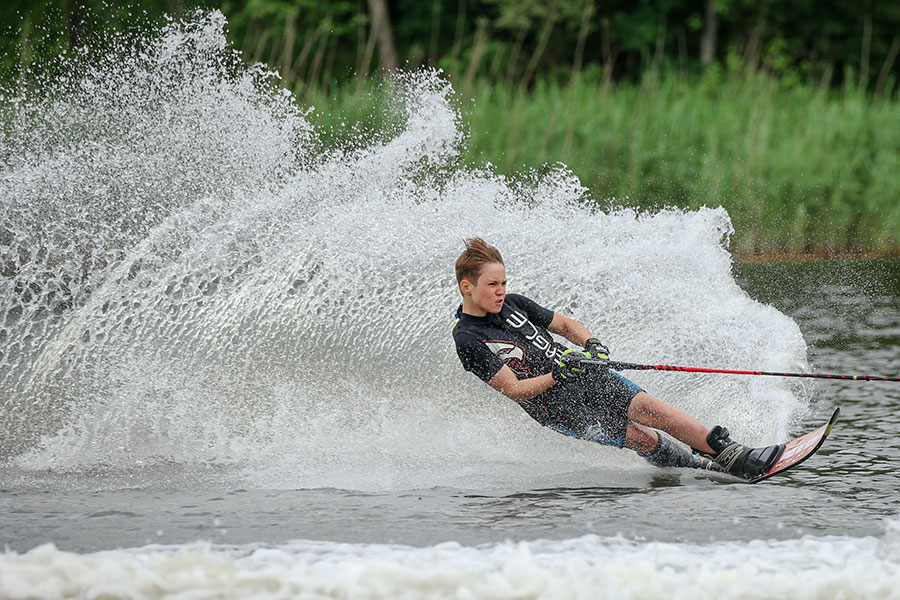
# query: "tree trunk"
582, 36
865, 52
75, 22
609, 58
383, 34
661, 32
539, 50
710, 31
887, 66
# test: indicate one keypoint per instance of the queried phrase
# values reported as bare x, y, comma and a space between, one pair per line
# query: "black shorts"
592, 407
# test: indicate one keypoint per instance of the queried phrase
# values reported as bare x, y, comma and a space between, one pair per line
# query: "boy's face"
489, 292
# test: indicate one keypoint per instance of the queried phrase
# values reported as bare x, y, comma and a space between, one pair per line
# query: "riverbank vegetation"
786, 116
800, 169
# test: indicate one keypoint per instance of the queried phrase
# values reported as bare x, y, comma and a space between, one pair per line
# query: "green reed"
799, 168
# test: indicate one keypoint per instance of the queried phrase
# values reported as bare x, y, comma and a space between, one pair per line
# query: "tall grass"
799, 168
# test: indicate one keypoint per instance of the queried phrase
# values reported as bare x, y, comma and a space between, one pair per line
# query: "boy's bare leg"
651, 411
639, 438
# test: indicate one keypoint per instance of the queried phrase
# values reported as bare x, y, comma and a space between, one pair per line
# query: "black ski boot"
739, 460
669, 454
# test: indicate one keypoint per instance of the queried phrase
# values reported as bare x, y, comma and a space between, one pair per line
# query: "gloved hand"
594, 348
568, 367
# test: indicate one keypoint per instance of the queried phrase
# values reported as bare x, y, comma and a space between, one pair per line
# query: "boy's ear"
465, 286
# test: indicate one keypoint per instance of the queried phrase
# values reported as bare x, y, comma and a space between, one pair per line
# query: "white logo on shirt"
517, 320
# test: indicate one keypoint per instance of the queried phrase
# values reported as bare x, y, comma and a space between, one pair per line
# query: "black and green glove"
568, 366
594, 348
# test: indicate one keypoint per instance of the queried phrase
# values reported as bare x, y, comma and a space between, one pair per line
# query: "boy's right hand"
568, 367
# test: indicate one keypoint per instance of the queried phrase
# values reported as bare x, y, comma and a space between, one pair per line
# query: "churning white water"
586, 567
189, 278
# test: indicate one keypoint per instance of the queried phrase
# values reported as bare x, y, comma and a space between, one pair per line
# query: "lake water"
829, 528
227, 368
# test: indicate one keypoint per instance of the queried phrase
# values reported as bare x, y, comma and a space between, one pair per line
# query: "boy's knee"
640, 438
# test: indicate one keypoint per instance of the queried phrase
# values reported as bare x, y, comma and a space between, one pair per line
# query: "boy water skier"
504, 339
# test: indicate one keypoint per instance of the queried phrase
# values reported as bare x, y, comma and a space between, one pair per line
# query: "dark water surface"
849, 313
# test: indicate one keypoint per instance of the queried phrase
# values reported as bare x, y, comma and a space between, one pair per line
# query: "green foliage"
529, 14
509, 40
799, 168
793, 127
34, 33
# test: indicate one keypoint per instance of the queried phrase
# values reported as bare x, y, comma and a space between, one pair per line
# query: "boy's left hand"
594, 348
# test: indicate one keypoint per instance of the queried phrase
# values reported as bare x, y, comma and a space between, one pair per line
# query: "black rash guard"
593, 406
516, 336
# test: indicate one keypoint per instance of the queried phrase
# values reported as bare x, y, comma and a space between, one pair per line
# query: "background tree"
515, 41
382, 34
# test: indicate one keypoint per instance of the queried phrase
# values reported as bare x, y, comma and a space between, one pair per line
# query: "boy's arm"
570, 329
506, 382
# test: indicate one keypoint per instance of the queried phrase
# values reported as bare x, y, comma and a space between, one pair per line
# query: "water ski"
800, 448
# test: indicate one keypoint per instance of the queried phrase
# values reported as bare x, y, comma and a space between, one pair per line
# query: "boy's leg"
640, 439
652, 412
737, 459
608, 422
661, 451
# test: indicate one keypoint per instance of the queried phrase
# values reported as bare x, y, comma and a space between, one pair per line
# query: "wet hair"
477, 254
